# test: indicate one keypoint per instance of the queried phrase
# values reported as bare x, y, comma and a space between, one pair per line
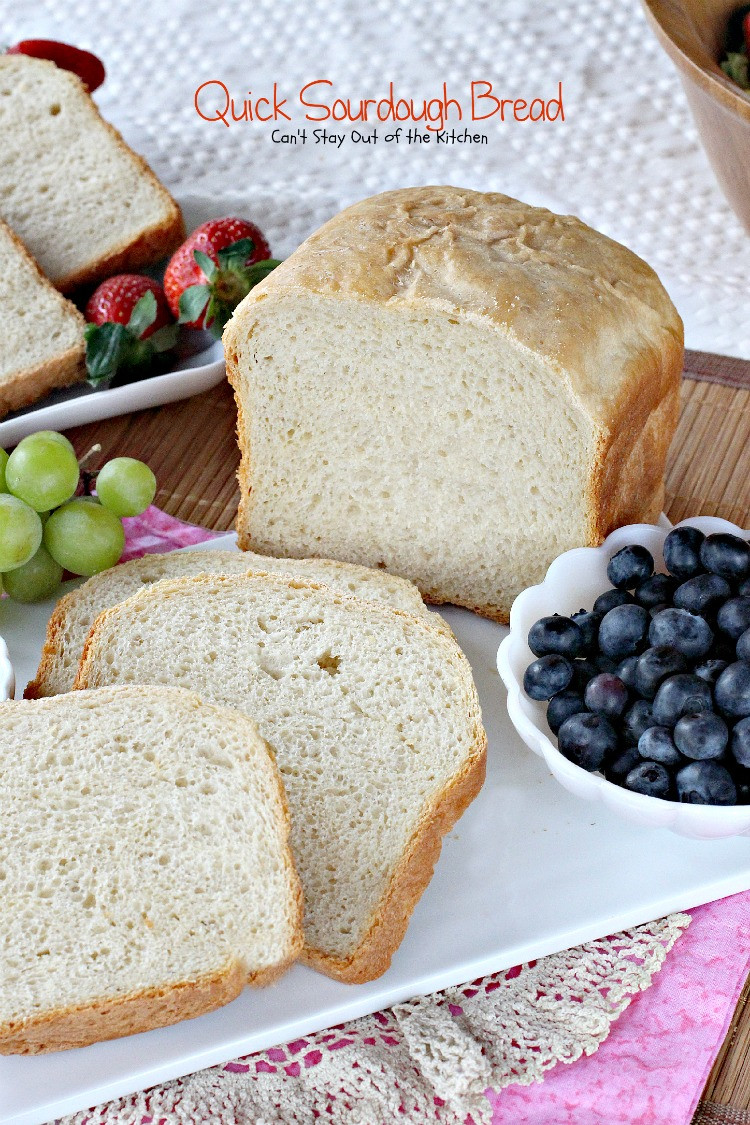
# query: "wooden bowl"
692, 34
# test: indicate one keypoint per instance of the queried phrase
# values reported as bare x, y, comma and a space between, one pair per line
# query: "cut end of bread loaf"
455, 387
79, 198
75, 613
372, 715
145, 853
42, 342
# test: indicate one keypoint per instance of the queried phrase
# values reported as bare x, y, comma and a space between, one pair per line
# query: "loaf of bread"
74, 614
372, 715
84, 203
145, 863
41, 341
456, 387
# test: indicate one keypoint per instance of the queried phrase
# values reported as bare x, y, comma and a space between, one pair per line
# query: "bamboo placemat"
191, 447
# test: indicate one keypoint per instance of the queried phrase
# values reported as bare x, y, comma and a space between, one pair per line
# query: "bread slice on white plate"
144, 862
80, 199
454, 386
41, 340
75, 613
371, 713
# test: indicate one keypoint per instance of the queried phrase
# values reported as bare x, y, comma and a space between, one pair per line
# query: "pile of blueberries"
651, 687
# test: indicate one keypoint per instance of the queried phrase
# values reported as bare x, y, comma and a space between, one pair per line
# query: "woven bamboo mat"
191, 447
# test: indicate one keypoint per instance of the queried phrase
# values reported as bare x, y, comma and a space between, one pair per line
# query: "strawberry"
88, 67
213, 270
130, 325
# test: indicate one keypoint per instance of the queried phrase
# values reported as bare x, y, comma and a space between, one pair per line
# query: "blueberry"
588, 622
657, 745
656, 590
546, 676
654, 609
556, 634
682, 552
604, 663
702, 594
623, 630
680, 695
705, 783
743, 646
654, 665
687, 632
639, 718
617, 768
741, 742
727, 555
606, 695
586, 740
732, 691
734, 617
583, 671
625, 671
701, 736
630, 566
562, 706
611, 598
744, 588
710, 670
649, 778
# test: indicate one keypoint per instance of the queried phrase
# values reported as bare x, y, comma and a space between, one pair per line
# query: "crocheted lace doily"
428, 1060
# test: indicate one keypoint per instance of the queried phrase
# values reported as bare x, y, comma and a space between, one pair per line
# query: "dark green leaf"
106, 347
143, 314
192, 303
208, 265
260, 270
234, 256
164, 339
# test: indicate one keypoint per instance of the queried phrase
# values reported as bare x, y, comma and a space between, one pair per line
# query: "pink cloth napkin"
654, 1065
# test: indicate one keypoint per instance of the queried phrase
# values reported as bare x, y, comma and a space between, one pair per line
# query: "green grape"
53, 435
35, 580
20, 532
84, 537
3, 463
42, 470
126, 486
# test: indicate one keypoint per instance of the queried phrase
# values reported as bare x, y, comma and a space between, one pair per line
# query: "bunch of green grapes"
46, 529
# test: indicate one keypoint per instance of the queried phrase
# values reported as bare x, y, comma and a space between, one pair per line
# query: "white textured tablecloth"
626, 159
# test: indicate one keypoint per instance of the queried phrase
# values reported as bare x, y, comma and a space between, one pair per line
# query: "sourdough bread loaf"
146, 871
456, 387
41, 342
74, 614
371, 713
84, 203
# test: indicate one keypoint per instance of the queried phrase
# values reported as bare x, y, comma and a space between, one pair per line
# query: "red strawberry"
130, 327
88, 67
213, 270
116, 298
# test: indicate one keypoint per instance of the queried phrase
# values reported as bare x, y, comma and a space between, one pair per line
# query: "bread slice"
372, 715
74, 614
41, 342
82, 201
456, 387
145, 865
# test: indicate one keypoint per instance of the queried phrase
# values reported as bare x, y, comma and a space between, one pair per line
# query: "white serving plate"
528, 870
574, 581
80, 404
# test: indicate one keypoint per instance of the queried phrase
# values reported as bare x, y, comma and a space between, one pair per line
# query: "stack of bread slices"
165, 848
76, 205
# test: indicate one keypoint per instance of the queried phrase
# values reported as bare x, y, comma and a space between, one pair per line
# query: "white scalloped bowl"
575, 580
7, 677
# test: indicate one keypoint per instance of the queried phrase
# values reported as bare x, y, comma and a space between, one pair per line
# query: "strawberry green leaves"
228, 280
112, 347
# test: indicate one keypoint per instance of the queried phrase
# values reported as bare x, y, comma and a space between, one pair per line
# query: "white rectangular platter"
529, 870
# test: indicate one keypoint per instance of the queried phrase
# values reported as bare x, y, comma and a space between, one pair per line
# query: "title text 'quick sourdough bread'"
84, 203
145, 865
454, 386
75, 613
372, 715
41, 342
